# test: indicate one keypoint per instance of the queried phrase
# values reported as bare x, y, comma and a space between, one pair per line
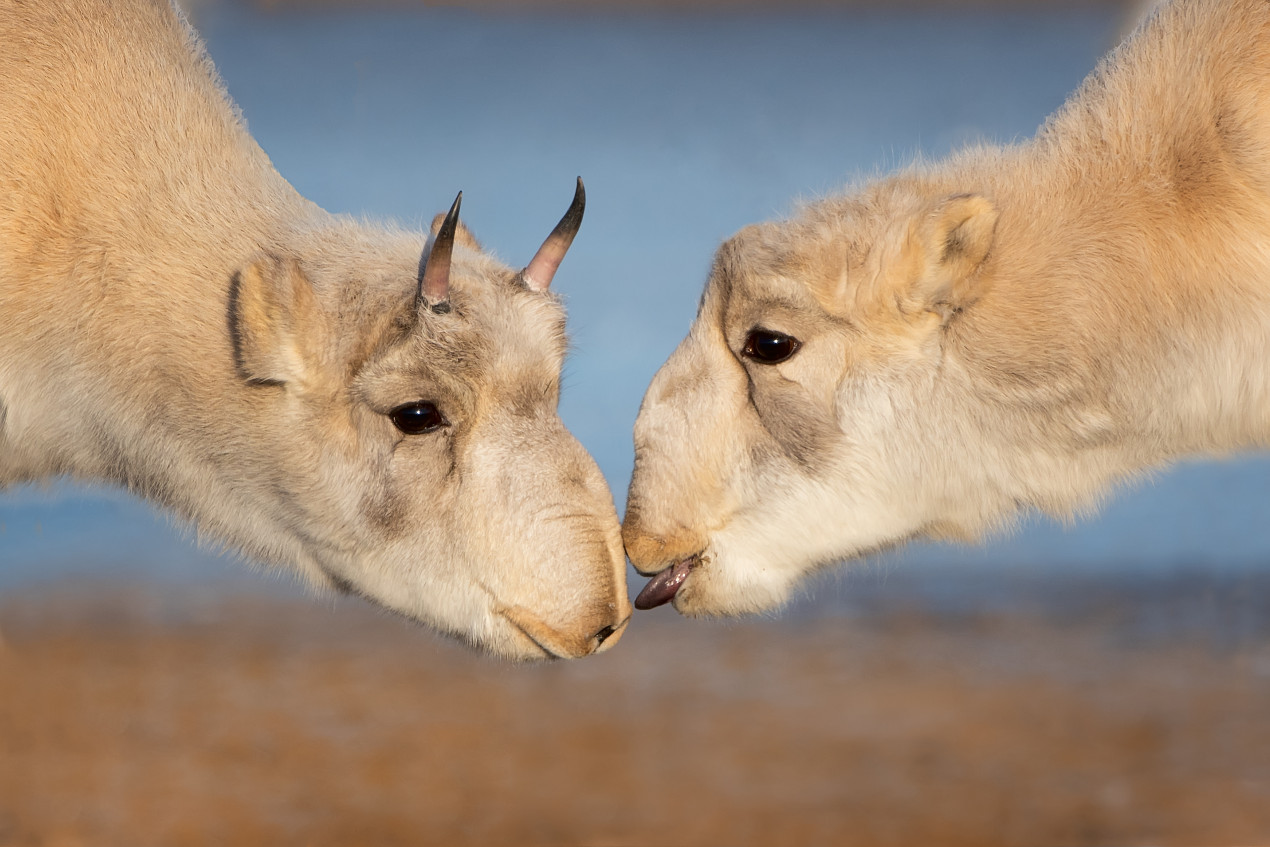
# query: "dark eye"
417, 418
769, 348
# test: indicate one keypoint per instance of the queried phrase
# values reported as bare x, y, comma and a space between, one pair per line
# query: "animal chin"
663, 587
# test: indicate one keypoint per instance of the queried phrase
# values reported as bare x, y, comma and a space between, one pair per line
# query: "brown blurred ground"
142, 718
688, 5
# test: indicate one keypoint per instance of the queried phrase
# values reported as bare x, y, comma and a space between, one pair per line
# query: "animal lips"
662, 587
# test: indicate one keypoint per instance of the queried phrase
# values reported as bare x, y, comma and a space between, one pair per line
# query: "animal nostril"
603, 635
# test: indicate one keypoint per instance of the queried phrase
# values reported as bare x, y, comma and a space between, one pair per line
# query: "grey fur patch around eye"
389, 512
798, 430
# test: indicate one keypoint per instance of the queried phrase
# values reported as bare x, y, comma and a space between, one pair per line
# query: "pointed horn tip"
538, 274
434, 281
572, 219
450, 223
453, 215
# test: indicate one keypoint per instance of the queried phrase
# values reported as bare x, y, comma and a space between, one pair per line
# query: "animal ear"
945, 244
462, 235
275, 322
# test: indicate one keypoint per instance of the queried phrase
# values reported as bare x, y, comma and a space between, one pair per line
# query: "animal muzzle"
655, 545
592, 634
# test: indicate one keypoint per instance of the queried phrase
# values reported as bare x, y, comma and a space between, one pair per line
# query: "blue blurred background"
685, 127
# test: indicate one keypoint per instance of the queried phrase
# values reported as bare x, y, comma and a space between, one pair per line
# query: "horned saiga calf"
1016, 328
174, 317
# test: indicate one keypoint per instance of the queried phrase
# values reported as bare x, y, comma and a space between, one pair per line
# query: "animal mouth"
663, 587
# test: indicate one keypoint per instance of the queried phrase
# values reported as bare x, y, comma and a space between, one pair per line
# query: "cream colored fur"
1015, 328
175, 318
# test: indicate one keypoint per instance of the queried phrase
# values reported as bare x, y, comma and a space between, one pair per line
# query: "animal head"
412, 450
802, 419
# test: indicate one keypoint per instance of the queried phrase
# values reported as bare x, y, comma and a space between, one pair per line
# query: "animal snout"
569, 642
650, 552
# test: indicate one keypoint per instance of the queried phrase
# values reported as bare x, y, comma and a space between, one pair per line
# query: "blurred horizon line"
688, 6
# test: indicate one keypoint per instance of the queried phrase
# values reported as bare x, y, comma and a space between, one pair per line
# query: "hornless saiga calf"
1015, 328
373, 407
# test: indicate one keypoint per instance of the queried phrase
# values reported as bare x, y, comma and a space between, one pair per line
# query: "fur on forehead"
367, 279
797, 263
830, 249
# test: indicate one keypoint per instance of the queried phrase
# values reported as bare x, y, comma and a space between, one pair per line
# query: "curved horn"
434, 279
542, 268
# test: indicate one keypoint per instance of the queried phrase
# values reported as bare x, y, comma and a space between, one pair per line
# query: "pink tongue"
662, 587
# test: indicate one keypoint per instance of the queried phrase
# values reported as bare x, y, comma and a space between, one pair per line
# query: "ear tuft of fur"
462, 235
274, 320
947, 243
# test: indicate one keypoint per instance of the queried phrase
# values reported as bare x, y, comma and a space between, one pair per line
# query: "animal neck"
1122, 326
137, 205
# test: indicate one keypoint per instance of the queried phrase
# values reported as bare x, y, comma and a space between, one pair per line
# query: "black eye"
417, 418
769, 347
